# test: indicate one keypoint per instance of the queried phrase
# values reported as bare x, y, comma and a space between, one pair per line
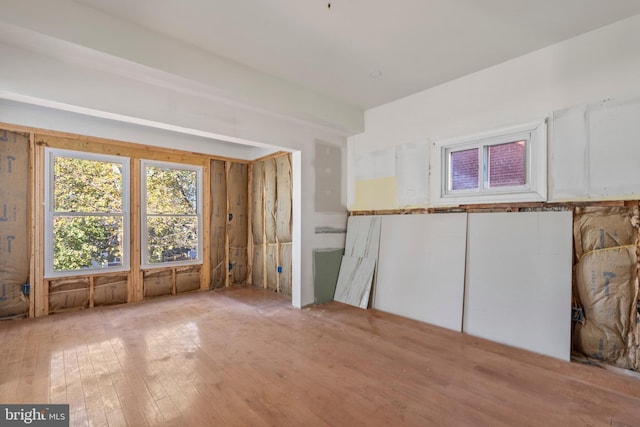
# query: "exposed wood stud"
249, 225
227, 168
205, 271
32, 226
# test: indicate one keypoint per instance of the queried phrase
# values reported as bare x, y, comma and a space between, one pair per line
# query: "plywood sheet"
518, 280
354, 281
420, 272
283, 208
218, 223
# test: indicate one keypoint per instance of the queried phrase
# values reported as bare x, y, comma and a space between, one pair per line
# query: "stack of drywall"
359, 261
14, 230
606, 284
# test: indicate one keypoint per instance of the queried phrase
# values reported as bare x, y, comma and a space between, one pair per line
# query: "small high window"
502, 166
171, 214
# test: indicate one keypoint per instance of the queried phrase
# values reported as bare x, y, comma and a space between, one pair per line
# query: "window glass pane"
171, 191
464, 169
507, 164
171, 238
88, 186
87, 242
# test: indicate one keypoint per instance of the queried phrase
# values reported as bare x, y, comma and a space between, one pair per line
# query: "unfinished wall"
271, 220
219, 215
606, 285
238, 204
14, 223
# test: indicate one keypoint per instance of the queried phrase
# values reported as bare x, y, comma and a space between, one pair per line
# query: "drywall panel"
328, 165
420, 271
359, 262
593, 151
518, 280
412, 165
354, 281
376, 164
375, 194
363, 236
568, 156
326, 267
614, 128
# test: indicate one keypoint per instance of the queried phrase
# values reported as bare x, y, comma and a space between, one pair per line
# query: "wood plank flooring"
244, 357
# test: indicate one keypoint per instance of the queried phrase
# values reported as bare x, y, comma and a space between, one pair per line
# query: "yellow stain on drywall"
376, 194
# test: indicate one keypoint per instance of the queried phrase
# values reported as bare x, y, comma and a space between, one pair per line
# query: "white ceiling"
368, 52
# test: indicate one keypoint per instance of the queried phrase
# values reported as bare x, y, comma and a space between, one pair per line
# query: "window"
171, 214
501, 166
87, 213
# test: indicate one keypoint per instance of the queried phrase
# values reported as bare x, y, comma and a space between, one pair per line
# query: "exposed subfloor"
244, 357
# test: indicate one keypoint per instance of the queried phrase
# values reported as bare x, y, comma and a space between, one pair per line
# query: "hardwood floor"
244, 357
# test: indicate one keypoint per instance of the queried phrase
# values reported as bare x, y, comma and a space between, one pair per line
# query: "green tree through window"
87, 211
171, 218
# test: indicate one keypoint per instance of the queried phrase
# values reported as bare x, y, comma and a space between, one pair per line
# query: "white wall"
602, 64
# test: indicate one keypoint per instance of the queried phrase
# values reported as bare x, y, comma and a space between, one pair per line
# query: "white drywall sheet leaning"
518, 280
359, 261
421, 268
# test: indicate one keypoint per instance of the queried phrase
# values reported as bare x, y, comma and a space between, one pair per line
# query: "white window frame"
143, 214
50, 154
535, 187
